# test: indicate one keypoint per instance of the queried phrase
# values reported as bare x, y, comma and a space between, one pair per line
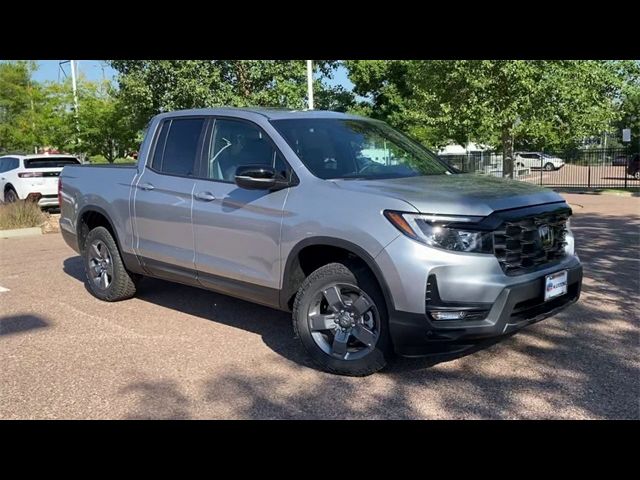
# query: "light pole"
75, 98
310, 83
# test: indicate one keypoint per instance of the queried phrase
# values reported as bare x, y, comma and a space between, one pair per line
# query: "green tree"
17, 105
148, 87
540, 103
105, 127
388, 91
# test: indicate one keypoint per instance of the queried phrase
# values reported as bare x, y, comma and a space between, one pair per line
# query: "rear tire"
359, 348
637, 175
10, 196
107, 277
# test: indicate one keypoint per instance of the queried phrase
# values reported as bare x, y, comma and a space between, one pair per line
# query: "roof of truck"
270, 113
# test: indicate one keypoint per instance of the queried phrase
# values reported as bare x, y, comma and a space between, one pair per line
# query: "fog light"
444, 315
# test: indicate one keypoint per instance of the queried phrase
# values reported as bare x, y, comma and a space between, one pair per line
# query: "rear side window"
177, 146
50, 162
7, 164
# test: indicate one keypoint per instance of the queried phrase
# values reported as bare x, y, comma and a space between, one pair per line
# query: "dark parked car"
634, 166
620, 160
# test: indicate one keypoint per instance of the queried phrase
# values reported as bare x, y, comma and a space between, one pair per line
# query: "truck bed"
103, 187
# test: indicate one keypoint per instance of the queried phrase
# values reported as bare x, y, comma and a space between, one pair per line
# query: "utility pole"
310, 83
75, 98
74, 86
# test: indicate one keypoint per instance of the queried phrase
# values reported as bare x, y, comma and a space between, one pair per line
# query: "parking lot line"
2, 289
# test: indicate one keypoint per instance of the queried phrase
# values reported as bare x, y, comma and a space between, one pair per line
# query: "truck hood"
460, 194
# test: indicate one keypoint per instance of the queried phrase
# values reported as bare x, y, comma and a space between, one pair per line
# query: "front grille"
519, 247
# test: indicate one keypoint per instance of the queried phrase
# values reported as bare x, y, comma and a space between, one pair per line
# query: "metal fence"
593, 168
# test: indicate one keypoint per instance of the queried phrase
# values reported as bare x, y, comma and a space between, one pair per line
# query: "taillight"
30, 174
59, 192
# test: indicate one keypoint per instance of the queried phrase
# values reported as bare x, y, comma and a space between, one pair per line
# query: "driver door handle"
205, 196
146, 186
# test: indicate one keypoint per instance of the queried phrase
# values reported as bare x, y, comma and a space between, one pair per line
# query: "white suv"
32, 177
538, 160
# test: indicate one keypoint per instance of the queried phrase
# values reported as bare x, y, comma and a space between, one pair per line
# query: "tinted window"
159, 148
9, 163
333, 148
234, 144
50, 162
180, 147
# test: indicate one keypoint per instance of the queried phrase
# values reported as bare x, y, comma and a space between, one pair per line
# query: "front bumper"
516, 306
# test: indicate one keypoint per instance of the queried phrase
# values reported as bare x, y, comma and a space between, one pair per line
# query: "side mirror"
259, 177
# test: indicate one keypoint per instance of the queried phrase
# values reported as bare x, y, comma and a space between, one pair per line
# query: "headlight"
456, 233
570, 247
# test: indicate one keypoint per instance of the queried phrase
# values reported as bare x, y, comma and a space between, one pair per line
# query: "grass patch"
99, 159
20, 215
624, 192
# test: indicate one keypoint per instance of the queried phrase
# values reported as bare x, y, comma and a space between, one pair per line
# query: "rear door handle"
146, 186
205, 196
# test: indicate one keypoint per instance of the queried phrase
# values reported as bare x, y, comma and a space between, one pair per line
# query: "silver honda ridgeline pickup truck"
374, 244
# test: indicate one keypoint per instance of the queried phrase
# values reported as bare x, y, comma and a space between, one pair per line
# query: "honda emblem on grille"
546, 236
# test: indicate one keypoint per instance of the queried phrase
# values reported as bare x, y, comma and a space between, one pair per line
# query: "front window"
334, 149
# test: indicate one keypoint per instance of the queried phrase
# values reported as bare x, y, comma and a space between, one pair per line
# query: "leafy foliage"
153, 86
540, 104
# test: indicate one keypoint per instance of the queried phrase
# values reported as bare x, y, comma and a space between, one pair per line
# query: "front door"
237, 231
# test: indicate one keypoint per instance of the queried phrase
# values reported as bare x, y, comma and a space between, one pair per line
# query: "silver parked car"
373, 255
537, 160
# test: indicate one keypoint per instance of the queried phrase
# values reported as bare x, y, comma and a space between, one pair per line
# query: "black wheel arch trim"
130, 260
288, 281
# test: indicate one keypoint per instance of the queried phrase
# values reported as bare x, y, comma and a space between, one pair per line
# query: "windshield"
361, 149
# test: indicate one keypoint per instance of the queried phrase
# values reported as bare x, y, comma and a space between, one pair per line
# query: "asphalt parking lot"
180, 352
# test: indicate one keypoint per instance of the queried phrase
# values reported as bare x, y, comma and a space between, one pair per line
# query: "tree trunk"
507, 153
110, 155
243, 84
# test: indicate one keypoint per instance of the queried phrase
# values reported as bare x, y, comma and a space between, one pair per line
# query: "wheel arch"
90, 217
294, 275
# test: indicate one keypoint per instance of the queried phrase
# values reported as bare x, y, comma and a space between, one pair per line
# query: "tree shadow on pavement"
157, 400
12, 324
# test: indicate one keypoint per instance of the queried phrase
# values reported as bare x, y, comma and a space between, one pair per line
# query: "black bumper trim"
414, 334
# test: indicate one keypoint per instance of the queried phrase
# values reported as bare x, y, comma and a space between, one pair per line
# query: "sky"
93, 70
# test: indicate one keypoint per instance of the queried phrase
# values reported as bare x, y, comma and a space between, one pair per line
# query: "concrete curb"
21, 232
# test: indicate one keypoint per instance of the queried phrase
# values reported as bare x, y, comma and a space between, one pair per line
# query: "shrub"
20, 214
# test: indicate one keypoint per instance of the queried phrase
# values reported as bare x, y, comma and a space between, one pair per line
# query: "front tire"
340, 317
549, 167
107, 277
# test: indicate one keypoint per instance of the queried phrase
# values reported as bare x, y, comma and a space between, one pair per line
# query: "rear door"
4, 164
163, 199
